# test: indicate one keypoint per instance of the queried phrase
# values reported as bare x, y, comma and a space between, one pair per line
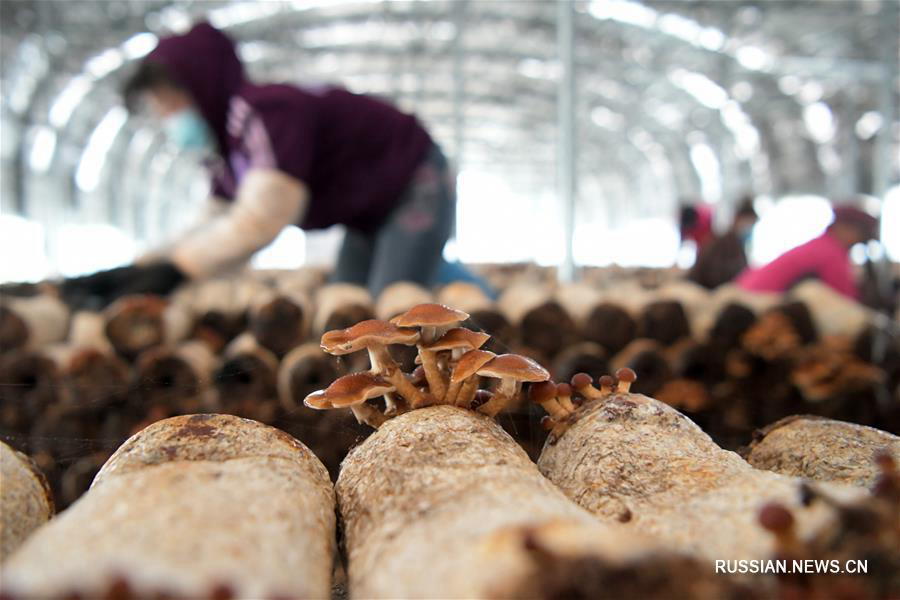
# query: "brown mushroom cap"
626, 375
469, 363
349, 390
775, 517
352, 339
430, 315
318, 400
542, 392
607, 382
514, 366
581, 380
458, 338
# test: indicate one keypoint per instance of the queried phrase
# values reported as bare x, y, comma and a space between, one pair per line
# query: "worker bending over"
283, 155
825, 258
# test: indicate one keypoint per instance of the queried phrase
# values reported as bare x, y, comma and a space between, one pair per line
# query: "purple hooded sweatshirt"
356, 154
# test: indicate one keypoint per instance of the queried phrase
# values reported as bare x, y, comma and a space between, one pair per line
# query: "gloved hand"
100, 289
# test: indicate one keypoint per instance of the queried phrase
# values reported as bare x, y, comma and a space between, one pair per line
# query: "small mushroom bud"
544, 393
607, 385
777, 519
511, 370
564, 396
482, 397
625, 377
888, 484
583, 384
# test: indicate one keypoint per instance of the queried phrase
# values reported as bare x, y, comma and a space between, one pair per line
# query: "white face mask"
187, 130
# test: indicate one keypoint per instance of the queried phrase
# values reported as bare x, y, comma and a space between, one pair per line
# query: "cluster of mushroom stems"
561, 401
452, 363
451, 366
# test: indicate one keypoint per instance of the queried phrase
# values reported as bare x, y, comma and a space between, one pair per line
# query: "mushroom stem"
607, 385
545, 394
558, 430
467, 392
453, 393
504, 394
367, 414
780, 522
384, 365
625, 377
430, 334
436, 383
553, 408
564, 397
582, 383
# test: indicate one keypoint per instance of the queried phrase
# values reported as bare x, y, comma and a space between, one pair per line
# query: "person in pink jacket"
825, 258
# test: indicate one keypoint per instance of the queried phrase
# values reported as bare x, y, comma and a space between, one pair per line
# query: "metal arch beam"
506, 55
676, 150
567, 145
406, 15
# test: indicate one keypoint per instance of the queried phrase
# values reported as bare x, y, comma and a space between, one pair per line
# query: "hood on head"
205, 63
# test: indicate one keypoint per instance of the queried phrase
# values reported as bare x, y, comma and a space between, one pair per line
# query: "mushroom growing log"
586, 357
176, 380
32, 322
542, 322
664, 321
29, 383
137, 323
611, 326
648, 358
305, 369
25, 499
281, 322
441, 502
340, 305
628, 457
199, 506
822, 450
94, 380
399, 297
464, 296
246, 380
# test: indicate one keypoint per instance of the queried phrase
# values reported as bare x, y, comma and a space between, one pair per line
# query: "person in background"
720, 260
695, 223
283, 155
825, 258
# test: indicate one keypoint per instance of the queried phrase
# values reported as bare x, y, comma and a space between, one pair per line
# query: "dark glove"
100, 289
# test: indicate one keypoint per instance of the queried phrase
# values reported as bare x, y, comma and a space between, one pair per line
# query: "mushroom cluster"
868, 527
562, 405
451, 361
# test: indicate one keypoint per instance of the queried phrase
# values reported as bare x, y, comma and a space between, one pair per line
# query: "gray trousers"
409, 244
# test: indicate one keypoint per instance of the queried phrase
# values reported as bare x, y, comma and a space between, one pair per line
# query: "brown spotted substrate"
200, 506
440, 502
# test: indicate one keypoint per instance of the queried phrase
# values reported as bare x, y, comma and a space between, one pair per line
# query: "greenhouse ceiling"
672, 99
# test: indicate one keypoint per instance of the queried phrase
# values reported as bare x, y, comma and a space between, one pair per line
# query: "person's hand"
102, 288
